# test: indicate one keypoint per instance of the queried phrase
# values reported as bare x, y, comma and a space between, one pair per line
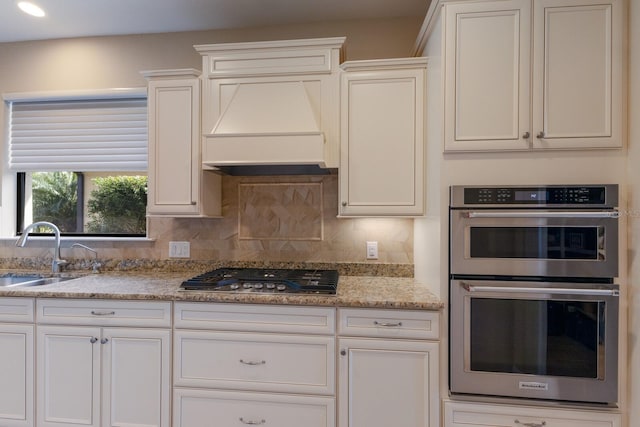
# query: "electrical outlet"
372, 250
179, 250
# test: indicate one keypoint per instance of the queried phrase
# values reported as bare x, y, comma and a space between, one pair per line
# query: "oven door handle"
552, 291
538, 214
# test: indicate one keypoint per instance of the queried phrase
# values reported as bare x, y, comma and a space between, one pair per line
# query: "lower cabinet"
464, 414
253, 365
16, 369
388, 372
102, 375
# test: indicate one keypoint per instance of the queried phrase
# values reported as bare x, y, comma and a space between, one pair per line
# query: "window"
80, 162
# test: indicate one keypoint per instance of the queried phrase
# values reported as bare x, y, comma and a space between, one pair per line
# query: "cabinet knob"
344, 203
104, 340
93, 340
540, 135
526, 135
343, 352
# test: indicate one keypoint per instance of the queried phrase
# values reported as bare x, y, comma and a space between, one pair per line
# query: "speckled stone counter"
353, 291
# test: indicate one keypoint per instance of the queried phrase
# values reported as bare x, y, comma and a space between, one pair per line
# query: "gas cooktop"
261, 280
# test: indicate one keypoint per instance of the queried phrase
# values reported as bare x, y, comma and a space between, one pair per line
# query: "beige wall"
109, 62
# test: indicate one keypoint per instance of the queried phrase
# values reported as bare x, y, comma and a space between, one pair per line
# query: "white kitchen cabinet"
16, 369
382, 138
178, 186
99, 375
390, 378
533, 74
251, 364
465, 414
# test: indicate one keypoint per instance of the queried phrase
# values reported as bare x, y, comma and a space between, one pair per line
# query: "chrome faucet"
57, 261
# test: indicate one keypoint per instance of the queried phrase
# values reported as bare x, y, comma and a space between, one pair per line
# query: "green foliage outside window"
118, 205
55, 199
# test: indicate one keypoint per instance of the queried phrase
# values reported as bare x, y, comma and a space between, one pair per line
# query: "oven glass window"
578, 243
556, 338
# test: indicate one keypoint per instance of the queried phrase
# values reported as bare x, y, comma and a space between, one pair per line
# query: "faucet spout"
57, 261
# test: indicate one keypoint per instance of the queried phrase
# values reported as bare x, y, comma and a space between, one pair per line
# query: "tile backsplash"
265, 219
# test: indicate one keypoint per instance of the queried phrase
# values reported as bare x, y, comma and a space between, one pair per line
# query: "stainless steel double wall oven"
533, 303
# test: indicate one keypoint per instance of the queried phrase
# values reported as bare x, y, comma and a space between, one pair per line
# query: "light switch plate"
372, 250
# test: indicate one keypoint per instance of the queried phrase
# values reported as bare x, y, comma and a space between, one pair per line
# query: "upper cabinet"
382, 138
533, 74
178, 186
271, 103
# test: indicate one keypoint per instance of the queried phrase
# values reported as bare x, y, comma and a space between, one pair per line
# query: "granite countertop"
353, 291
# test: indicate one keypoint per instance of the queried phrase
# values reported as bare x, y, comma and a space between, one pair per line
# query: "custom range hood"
271, 107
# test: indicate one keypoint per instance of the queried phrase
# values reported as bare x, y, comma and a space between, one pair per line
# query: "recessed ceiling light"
31, 9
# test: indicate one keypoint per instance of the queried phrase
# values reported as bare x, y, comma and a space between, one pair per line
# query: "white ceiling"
79, 18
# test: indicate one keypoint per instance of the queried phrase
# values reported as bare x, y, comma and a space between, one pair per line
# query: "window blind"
78, 135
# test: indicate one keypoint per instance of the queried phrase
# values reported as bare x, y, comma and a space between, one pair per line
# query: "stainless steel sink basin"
12, 280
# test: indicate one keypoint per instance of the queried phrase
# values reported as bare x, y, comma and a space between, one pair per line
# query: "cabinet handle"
104, 340
252, 363
102, 313
344, 203
387, 324
540, 134
343, 352
251, 422
526, 135
93, 340
540, 424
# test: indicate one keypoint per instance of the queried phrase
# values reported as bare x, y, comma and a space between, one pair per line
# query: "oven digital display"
530, 195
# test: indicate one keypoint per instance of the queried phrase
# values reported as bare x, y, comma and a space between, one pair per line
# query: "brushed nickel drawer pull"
540, 424
252, 363
102, 313
387, 324
251, 422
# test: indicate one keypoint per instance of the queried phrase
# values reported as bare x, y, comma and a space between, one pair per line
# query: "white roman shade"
100, 134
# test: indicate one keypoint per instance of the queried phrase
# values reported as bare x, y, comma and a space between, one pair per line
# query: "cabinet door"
16, 373
175, 170
487, 76
68, 366
386, 383
382, 145
577, 74
136, 387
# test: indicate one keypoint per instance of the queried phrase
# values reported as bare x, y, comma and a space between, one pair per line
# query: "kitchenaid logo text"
534, 386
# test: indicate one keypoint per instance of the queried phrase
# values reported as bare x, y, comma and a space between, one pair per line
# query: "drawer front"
201, 408
261, 362
255, 318
103, 312
477, 415
19, 310
363, 322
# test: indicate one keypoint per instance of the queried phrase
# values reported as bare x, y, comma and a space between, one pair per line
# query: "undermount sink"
11, 280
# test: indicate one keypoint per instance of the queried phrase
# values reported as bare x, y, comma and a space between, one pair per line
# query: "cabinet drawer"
363, 322
224, 408
103, 312
255, 318
261, 362
16, 310
484, 415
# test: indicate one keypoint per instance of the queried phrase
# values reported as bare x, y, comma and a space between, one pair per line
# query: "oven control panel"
555, 196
